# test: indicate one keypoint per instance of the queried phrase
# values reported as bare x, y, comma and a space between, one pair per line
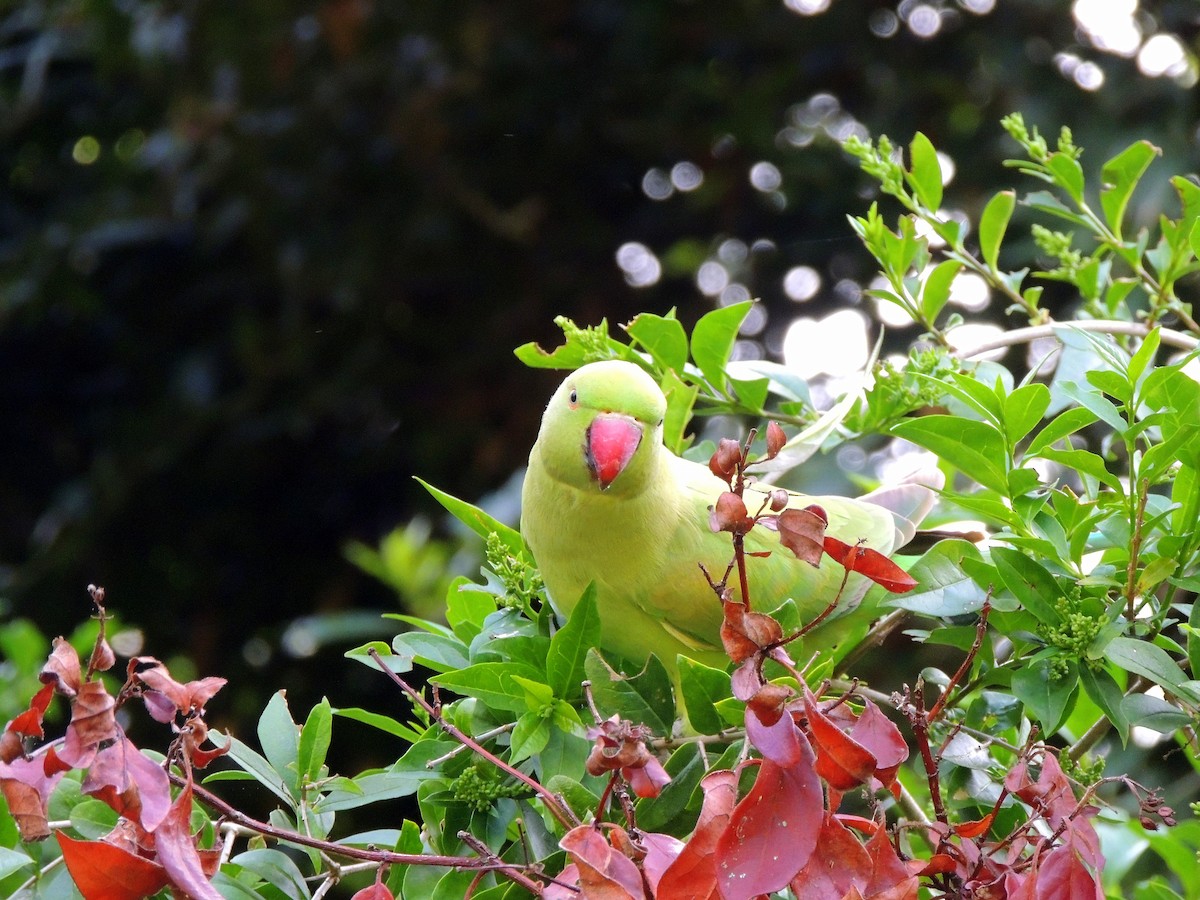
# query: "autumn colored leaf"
176, 851
661, 851
976, 828
604, 873
377, 891
803, 532
104, 871
130, 782
839, 864
841, 761
693, 874
772, 832
729, 514
871, 563
186, 698
92, 723
724, 462
62, 668
879, 734
891, 878
27, 788
29, 723
776, 438
743, 634
1063, 875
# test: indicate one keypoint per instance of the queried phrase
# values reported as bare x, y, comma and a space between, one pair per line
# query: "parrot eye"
574, 398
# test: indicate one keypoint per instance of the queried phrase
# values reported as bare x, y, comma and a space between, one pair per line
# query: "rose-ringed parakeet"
605, 501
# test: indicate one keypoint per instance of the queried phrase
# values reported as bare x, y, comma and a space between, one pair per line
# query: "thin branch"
556, 808
1026, 335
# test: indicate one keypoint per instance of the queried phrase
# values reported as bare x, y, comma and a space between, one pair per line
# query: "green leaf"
992, 225
314, 740
686, 767
1048, 203
582, 345
1084, 462
681, 398
1154, 712
645, 697
1146, 659
377, 720
442, 654
1144, 357
401, 779
926, 173
529, 736
1115, 384
467, 607
259, 768
12, 861
1023, 409
277, 869
493, 683
1106, 694
1068, 173
662, 337
570, 645
394, 663
1047, 697
936, 290
1120, 176
280, 740
1062, 425
1099, 404
476, 519
702, 686
943, 588
975, 449
713, 338
1035, 587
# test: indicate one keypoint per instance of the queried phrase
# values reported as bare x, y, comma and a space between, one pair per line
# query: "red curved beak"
612, 440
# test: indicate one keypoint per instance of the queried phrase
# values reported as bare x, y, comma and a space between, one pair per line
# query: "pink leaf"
772, 832
176, 850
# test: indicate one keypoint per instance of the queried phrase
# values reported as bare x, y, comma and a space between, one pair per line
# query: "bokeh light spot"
801, 283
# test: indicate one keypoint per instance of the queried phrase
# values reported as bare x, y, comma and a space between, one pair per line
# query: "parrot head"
603, 426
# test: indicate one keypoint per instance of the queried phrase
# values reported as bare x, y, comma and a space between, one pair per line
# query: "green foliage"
1073, 623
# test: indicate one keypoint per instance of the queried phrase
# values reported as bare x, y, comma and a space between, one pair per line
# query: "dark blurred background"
262, 262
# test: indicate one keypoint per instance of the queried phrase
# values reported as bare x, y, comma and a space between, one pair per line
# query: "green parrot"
605, 501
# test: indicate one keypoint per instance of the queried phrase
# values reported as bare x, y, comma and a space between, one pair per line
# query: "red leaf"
92, 723
729, 514
377, 891
177, 852
883, 739
802, 531
62, 668
888, 871
841, 760
30, 722
744, 634
1062, 875
693, 874
27, 790
131, 783
870, 563
775, 439
661, 851
187, 698
724, 462
604, 873
976, 828
104, 871
102, 658
839, 864
648, 779
772, 832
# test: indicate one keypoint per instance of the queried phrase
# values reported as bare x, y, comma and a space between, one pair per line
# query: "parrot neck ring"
612, 439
